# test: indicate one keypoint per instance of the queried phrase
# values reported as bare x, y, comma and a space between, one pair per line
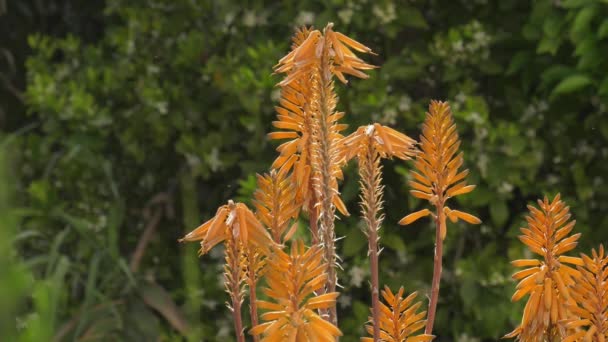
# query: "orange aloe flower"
232, 218
384, 140
399, 320
299, 104
311, 120
591, 293
293, 279
276, 202
437, 177
547, 281
370, 144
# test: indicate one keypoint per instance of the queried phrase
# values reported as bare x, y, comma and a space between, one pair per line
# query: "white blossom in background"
209, 303
481, 133
217, 253
305, 18
530, 133
346, 15
597, 181
357, 275
460, 97
553, 179
224, 330
228, 20
482, 164
466, 338
389, 116
475, 118
535, 109
505, 188
458, 46
386, 14
221, 281
275, 95
345, 300
583, 149
403, 257
249, 18
405, 103
213, 160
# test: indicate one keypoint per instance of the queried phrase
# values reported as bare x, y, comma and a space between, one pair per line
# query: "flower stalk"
370, 144
436, 179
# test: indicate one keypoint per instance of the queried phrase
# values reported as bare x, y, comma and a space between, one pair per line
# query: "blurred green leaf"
571, 84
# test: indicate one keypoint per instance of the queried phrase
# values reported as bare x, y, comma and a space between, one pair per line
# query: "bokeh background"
126, 123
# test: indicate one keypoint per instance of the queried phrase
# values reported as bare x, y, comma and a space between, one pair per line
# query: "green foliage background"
115, 114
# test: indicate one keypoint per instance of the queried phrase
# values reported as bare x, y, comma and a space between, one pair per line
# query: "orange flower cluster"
399, 320
292, 282
437, 177
547, 281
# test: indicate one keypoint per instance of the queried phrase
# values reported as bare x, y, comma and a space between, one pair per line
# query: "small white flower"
553, 179
209, 303
475, 117
344, 300
482, 164
386, 14
275, 95
305, 18
249, 19
405, 103
345, 15
224, 329
389, 117
467, 338
213, 160
357, 275
458, 46
542, 105
505, 188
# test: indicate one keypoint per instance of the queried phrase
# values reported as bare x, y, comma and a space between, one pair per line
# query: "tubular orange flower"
243, 235
233, 218
591, 293
398, 320
386, 141
547, 281
276, 203
310, 116
370, 144
436, 179
293, 279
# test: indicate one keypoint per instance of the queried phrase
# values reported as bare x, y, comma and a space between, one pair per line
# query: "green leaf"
412, 17
549, 45
518, 62
354, 243
160, 300
571, 84
604, 87
582, 21
393, 241
499, 212
602, 32
575, 3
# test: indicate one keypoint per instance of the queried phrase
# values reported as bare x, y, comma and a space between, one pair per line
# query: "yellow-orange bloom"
292, 281
591, 293
232, 218
547, 281
399, 320
437, 177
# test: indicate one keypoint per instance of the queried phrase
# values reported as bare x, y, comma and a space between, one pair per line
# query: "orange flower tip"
411, 218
